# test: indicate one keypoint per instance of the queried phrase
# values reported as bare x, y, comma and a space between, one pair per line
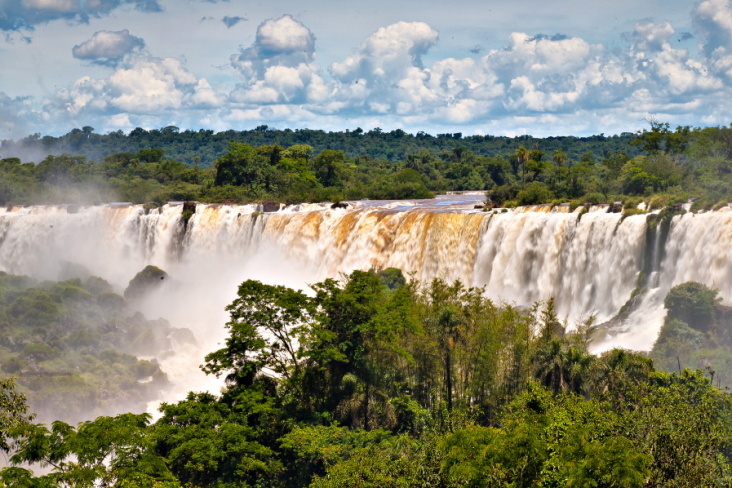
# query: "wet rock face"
189, 207
144, 282
270, 206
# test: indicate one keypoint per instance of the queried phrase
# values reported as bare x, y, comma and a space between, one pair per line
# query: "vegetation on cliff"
74, 345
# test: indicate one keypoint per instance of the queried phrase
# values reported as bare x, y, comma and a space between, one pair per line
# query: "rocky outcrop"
269, 206
144, 282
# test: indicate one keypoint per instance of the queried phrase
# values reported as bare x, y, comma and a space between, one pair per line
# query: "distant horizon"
346, 130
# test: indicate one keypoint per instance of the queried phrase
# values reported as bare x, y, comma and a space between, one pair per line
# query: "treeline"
201, 148
675, 166
660, 166
288, 166
375, 382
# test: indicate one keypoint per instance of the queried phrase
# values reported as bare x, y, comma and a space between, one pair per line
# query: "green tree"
243, 165
265, 326
534, 193
13, 411
113, 452
693, 303
221, 443
329, 167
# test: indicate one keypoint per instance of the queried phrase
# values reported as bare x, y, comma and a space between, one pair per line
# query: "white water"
589, 263
698, 248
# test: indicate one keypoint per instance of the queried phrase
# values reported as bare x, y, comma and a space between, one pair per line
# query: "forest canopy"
660, 165
373, 380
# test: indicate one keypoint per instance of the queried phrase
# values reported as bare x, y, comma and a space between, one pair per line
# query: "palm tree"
520, 156
550, 365
559, 157
617, 370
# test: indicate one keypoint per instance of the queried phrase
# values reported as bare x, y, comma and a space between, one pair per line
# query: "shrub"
534, 193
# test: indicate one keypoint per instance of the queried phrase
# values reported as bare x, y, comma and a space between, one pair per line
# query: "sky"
545, 68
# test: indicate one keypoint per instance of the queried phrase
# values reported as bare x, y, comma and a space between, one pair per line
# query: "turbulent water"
590, 262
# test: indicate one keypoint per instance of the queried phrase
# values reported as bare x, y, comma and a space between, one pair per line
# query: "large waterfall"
590, 261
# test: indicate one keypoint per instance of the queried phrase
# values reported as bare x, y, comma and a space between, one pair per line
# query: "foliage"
695, 333
692, 303
166, 164
104, 452
70, 344
13, 410
375, 381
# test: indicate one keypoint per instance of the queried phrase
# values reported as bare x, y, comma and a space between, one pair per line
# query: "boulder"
270, 206
144, 282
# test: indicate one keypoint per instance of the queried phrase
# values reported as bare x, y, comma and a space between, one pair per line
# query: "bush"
594, 198
693, 303
627, 212
534, 193
501, 194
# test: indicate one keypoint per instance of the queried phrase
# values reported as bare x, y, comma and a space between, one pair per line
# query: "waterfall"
590, 261
697, 248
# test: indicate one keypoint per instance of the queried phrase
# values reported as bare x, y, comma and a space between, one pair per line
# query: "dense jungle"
373, 379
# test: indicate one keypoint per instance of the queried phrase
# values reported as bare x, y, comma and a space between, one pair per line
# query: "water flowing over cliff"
589, 261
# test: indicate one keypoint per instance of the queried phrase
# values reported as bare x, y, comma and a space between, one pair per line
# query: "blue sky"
472, 66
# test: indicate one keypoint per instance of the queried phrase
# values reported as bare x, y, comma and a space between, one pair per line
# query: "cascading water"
697, 248
590, 262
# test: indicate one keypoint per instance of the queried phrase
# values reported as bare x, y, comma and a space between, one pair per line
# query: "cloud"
661, 71
389, 52
540, 56
230, 22
649, 36
713, 20
682, 76
279, 42
386, 74
25, 14
685, 36
552, 83
107, 48
18, 117
142, 85
277, 67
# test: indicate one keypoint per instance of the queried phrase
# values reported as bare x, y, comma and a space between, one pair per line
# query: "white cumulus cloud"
142, 88
650, 36
279, 42
277, 67
386, 73
388, 53
106, 47
713, 20
392, 78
